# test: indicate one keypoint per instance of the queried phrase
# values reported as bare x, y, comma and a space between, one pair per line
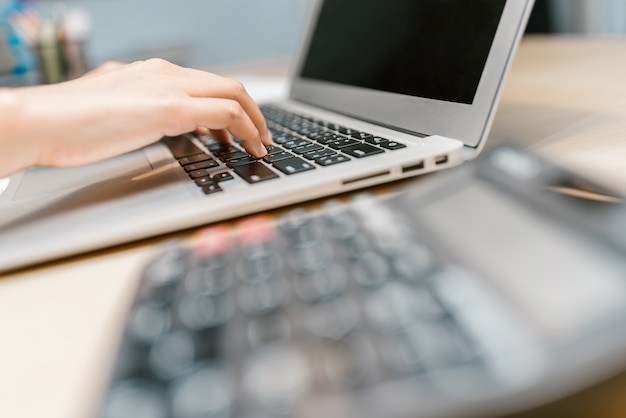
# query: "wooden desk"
566, 97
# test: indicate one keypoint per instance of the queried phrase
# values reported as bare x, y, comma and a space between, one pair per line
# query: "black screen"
435, 49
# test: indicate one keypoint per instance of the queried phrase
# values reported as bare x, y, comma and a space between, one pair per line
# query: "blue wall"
197, 33
590, 16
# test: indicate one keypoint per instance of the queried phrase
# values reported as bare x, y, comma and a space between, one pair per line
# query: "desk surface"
565, 97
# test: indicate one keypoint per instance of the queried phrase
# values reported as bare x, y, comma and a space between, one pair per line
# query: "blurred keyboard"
468, 296
281, 313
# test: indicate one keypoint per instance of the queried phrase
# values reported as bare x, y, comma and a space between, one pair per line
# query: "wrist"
15, 153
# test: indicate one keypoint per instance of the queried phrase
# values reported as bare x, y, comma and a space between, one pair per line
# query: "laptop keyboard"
278, 314
302, 144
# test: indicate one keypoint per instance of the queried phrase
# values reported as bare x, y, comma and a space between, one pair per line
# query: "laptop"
382, 90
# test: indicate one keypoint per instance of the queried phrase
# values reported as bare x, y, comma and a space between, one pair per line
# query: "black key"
296, 143
211, 188
198, 173
360, 135
347, 131
241, 161
327, 137
273, 149
392, 145
293, 165
333, 159
316, 132
222, 177
342, 143
194, 159
362, 150
307, 148
376, 140
181, 146
277, 157
233, 156
198, 166
204, 181
285, 137
219, 148
255, 172
316, 155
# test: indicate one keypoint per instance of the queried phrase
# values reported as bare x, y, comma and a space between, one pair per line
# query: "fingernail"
260, 150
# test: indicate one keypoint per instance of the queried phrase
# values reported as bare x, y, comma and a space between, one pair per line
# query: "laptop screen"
435, 49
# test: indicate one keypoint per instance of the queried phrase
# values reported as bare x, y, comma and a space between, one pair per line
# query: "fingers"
221, 135
234, 90
222, 116
202, 84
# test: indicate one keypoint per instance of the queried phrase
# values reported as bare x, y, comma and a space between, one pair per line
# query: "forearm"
15, 154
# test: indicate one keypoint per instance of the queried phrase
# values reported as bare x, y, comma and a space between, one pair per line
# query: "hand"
118, 108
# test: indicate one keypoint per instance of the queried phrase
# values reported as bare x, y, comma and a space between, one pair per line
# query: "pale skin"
118, 108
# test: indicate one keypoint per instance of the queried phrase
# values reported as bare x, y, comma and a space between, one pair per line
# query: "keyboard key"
199, 166
277, 157
316, 155
342, 143
333, 159
285, 137
296, 143
362, 150
348, 132
255, 172
273, 149
241, 161
293, 165
360, 135
211, 188
128, 397
194, 159
307, 148
204, 181
327, 137
376, 140
181, 146
392, 145
333, 319
203, 393
219, 148
226, 157
219, 177
198, 173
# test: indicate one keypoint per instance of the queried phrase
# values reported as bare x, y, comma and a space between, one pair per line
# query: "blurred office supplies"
343, 127
490, 289
17, 61
57, 42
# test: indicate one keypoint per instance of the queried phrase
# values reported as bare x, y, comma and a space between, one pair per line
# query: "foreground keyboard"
285, 318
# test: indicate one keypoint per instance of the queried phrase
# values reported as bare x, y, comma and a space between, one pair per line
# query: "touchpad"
39, 181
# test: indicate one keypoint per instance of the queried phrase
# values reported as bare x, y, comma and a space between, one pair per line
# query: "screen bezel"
468, 123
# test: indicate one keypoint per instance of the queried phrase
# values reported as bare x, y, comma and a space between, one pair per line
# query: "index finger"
229, 88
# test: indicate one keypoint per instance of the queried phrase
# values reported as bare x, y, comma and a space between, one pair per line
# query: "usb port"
413, 167
441, 159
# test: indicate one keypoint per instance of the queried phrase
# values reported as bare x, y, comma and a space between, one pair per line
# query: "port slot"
370, 177
413, 167
441, 159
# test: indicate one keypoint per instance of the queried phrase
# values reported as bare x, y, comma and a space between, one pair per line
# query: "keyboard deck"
302, 144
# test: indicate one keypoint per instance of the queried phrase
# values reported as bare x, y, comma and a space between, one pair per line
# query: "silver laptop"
383, 90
